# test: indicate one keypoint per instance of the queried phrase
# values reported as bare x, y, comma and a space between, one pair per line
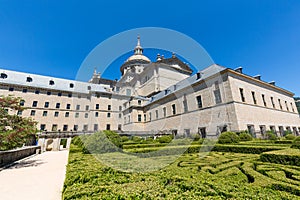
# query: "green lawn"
220, 175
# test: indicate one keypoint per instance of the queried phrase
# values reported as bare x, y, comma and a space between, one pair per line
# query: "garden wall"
10, 156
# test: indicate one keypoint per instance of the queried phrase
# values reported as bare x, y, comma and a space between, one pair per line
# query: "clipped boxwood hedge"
285, 157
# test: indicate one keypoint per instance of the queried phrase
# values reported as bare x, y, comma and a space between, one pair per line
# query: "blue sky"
54, 37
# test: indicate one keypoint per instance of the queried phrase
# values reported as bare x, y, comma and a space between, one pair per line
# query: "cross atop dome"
138, 50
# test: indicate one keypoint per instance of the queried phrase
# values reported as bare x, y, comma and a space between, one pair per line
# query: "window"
272, 101
218, 98
57, 105
185, 104
120, 108
32, 113
262, 130
51, 82
68, 106
128, 92
119, 127
202, 132
97, 106
43, 127
139, 118
45, 113
95, 127
120, 115
48, 93
156, 114
19, 113
87, 107
85, 127
173, 109
264, 100
34, 104
96, 114
76, 115
54, 127
217, 85
71, 85
145, 117
28, 79
59, 94
37, 92
286, 105
242, 95
107, 126
108, 107
70, 95
56, 114
3, 75
22, 102
139, 102
187, 132
86, 115
281, 130
279, 102
11, 89
199, 101
292, 107
75, 127
89, 88
164, 112
108, 115
67, 114
46, 105
65, 127
254, 98
150, 117
24, 90
251, 130
77, 107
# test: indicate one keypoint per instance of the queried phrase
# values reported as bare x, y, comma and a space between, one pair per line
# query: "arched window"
71, 85
51, 82
89, 87
3, 76
28, 79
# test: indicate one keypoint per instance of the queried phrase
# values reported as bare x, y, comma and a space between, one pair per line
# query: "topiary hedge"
228, 138
290, 137
296, 143
245, 137
285, 157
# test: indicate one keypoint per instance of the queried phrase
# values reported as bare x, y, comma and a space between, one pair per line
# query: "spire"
138, 50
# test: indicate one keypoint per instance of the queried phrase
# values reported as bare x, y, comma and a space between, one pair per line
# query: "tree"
14, 129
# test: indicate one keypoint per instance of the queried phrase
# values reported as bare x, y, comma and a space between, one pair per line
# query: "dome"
138, 57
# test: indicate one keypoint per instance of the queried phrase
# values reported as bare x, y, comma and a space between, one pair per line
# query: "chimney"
239, 69
257, 77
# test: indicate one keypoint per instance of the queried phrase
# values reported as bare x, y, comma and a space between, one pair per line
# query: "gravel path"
39, 177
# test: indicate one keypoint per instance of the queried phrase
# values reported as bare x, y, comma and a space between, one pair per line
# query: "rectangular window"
279, 102
34, 104
120, 115
87, 107
32, 113
57, 105
54, 127
242, 95
95, 127
45, 113
76, 115
43, 127
164, 112
150, 117
75, 127
86, 115
11, 89
108, 107
59, 94
139, 102
286, 105
145, 117
185, 105
85, 127
48, 93
65, 127
19, 113
67, 114
108, 115
292, 107
97, 106
46, 105
37, 92
187, 132
120, 108
56, 114
173, 109
107, 126
199, 101
96, 114
68, 106
218, 98
22, 103
128, 92
139, 118
254, 98
264, 100
77, 107
24, 90
272, 101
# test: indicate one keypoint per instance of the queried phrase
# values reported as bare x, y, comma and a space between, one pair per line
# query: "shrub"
285, 133
165, 139
285, 157
228, 138
136, 139
196, 137
290, 137
270, 135
124, 138
296, 143
245, 137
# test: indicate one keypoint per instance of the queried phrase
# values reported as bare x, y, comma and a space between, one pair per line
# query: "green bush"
290, 137
228, 138
270, 135
196, 137
124, 138
296, 143
245, 137
165, 139
285, 157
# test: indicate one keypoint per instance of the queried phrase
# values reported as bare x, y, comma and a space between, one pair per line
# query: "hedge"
285, 157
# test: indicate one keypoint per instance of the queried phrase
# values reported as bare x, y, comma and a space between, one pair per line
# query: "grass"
219, 175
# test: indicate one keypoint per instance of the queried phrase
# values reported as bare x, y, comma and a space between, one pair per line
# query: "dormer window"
28, 79
51, 82
3, 76
71, 85
89, 87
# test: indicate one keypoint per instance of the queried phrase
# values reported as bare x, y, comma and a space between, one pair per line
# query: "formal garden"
234, 167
